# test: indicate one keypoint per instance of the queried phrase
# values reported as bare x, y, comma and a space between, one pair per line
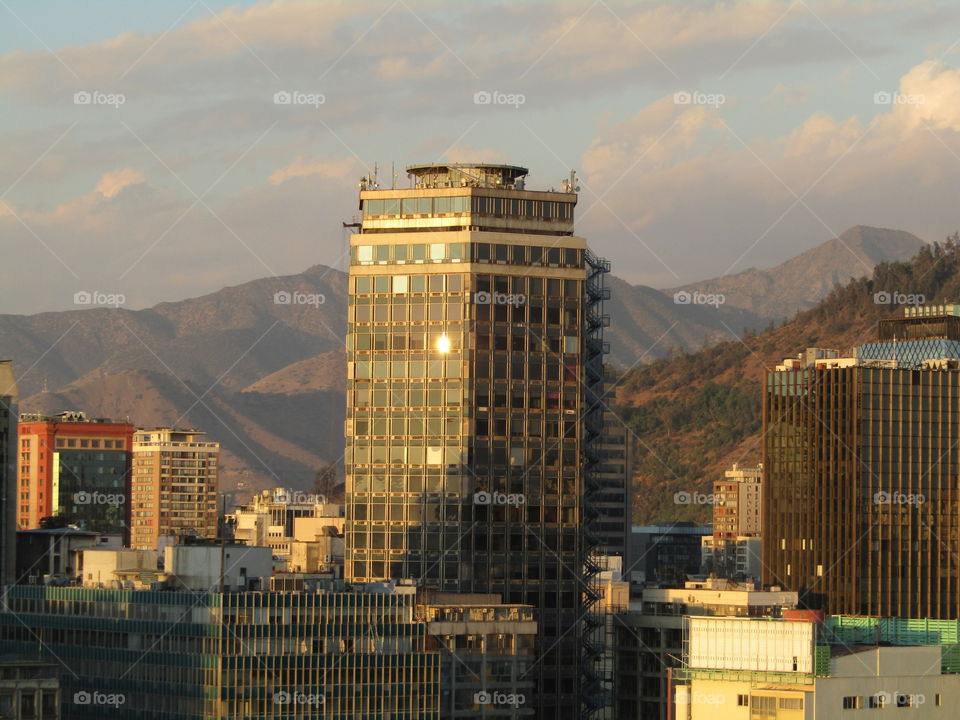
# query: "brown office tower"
861, 459
8, 472
175, 480
475, 354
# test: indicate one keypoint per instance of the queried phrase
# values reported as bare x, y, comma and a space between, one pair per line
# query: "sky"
146, 151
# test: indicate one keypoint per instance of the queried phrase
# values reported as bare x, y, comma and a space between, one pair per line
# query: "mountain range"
260, 366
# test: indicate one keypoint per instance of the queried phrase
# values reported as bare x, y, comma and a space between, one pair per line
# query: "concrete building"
475, 366
9, 492
74, 467
197, 655
737, 558
860, 464
737, 503
29, 689
118, 569
649, 636
52, 556
789, 669
488, 651
665, 554
174, 493
218, 565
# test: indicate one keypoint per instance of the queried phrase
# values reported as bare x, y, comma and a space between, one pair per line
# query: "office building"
74, 467
794, 669
29, 689
614, 477
174, 493
861, 459
649, 641
200, 654
486, 651
666, 554
474, 354
8, 472
736, 558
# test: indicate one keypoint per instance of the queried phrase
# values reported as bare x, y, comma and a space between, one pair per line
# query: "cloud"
340, 169
113, 182
703, 201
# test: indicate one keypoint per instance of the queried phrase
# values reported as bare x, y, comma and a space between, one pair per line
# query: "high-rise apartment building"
737, 503
8, 472
861, 461
174, 487
74, 467
475, 356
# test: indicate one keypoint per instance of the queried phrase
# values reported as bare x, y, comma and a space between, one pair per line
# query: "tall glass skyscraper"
475, 355
861, 460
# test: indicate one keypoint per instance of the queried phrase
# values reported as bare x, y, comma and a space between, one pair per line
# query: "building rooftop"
468, 175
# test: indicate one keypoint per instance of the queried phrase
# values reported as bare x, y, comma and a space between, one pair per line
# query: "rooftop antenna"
393, 176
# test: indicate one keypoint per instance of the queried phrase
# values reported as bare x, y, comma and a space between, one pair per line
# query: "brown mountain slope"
693, 415
267, 439
803, 281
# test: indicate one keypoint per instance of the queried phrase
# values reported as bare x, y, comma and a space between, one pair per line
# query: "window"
794, 703
743, 700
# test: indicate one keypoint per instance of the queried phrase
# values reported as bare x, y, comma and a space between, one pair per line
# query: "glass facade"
234, 656
861, 494
466, 393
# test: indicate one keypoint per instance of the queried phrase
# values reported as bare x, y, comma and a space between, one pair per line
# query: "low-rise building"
794, 669
739, 558
487, 652
649, 636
